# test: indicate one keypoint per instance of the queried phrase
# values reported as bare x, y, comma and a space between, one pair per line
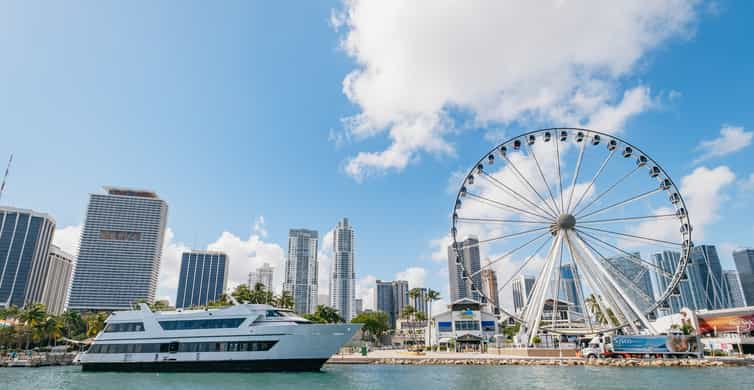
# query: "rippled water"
394, 378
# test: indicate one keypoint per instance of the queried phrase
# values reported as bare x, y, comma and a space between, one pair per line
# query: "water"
393, 378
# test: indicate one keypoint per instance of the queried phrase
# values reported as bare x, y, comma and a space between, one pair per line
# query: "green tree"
95, 323
329, 314
242, 294
407, 313
53, 329
74, 325
259, 294
11, 311
374, 323
224, 301
285, 300
31, 317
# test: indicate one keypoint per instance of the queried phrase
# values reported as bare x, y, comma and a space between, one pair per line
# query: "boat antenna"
5, 177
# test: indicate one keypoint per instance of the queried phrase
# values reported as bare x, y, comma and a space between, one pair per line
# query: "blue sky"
238, 111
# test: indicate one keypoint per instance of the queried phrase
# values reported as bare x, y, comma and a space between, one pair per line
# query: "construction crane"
5, 177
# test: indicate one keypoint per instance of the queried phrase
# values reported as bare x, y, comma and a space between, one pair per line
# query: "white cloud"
418, 62
67, 239
365, 290
731, 140
325, 258
170, 266
415, 276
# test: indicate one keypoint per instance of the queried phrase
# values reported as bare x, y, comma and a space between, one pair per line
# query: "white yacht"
236, 338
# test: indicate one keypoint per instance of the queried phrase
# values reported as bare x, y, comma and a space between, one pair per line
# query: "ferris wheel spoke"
594, 179
496, 220
629, 219
524, 180
512, 251
544, 180
576, 174
560, 176
520, 197
503, 205
535, 304
632, 236
630, 256
504, 237
623, 202
607, 191
523, 265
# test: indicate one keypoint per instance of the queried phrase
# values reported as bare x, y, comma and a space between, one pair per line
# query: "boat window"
202, 324
173, 347
125, 327
274, 313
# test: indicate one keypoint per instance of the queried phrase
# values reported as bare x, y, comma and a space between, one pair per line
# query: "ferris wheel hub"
566, 222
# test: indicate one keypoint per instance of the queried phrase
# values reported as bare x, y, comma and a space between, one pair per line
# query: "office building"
521, 286
667, 261
470, 262
323, 299
391, 298
202, 279
25, 238
744, 259
58, 281
263, 275
710, 291
301, 269
489, 288
342, 275
568, 291
736, 292
634, 278
358, 306
120, 251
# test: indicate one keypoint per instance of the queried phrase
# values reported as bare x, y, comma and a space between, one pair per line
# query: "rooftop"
122, 191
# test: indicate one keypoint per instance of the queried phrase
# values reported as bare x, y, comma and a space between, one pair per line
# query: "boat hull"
274, 365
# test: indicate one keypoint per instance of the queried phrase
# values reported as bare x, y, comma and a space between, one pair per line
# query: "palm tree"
258, 294
9, 312
285, 300
53, 329
327, 314
95, 323
242, 293
407, 314
432, 296
593, 305
31, 316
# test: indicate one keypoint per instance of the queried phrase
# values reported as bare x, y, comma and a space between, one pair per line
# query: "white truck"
619, 347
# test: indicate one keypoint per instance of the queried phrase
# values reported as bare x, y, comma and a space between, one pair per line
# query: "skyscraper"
459, 287
489, 288
25, 237
202, 279
567, 290
710, 291
301, 269
744, 259
120, 251
342, 275
263, 275
521, 286
391, 298
733, 284
420, 301
358, 305
668, 261
58, 280
635, 279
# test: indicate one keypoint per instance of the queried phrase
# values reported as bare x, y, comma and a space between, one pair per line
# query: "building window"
467, 325
202, 324
125, 327
488, 326
445, 326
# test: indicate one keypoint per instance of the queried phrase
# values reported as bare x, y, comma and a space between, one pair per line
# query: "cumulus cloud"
365, 290
415, 276
731, 140
68, 238
325, 259
419, 62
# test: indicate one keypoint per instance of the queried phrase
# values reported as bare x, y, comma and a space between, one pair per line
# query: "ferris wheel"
585, 232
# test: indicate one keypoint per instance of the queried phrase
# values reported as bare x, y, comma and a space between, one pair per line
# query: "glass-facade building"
710, 287
567, 290
301, 269
521, 288
734, 289
58, 280
391, 298
744, 259
471, 262
202, 279
667, 261
342, 274
263, 275
634, 278
120, 251
25, 238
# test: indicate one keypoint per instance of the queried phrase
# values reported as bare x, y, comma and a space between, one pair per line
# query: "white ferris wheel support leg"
634, 309
536, 304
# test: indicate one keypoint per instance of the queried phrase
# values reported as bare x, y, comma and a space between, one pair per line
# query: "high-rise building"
25, 238
521, 286
568, 292
733, 284
120, 252
358, 305
471, 262
263, 275
342, 275
744, 259
323, 300
667, 261
489, 288
301, 269
710, 289
420, 301
391, 298
634, 278
60, 271
202, 279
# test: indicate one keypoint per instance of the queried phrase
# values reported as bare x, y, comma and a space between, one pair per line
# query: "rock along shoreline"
692, 363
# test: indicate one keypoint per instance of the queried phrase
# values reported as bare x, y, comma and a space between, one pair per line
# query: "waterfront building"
342, 275
466, 327
489, 289
634, 278
733, 284
323, 299
471, 262
358, 306
58, 281
202, 279
568, 293
521, 286
420, 301
263, 275
668, 261
301, 269
120, 252
744, 259
391, 298
25, 238
710, 289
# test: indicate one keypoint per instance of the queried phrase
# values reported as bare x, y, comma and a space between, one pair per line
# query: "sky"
251, 118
